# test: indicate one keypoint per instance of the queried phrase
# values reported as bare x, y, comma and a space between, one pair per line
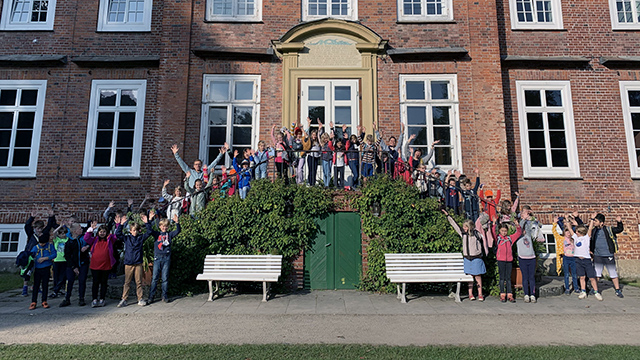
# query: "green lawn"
631, 282
157, 352
10, 281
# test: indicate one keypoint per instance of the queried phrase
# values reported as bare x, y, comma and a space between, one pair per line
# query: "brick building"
92, 94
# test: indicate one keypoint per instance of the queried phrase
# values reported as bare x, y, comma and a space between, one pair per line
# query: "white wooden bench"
264, 268
420, 268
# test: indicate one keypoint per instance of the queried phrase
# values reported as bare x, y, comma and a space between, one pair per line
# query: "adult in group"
197, 172
604, 245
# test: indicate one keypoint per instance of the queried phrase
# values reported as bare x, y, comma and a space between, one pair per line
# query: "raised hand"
224, 169
175, 218
476, 171
94, 224
576, 213
593, 215
517, 193
33, 213
445, 212
375, 128
144, 218
235, 153
457, 173
413, 136
433, 144
331, 124
112, 203
147, 196
344, 128
166, 182
130, 202
226, 146
319, 122
188, 174
152, 214
555, 219
123, 219
175, 148
50, 212
619, 218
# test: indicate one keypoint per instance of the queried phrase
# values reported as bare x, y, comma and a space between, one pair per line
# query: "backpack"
613, 237
22, 260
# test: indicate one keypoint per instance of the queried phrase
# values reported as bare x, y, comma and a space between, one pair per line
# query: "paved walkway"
330, 317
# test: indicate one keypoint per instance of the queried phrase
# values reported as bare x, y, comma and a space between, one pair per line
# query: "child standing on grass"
584, 266
161, 254
474, 244
59, 263
504, 255
102, 260
568, 259
43, 254
76, 253
531, 231
132, 258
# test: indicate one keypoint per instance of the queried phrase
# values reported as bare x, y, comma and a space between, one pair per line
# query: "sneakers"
45, 305
32, 306
598, 296
122, 303
567, 292
527, 299
149, 301
65, 302
480, 298
577, 291
533, 299
619, 294
166, 300
511, 298
503, 298
101, 303
94, 303
81, 302
25, 290
53, 295
583, 295
142, 302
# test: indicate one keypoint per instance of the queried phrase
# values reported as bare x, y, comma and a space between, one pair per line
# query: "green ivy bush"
407, 224
256, 225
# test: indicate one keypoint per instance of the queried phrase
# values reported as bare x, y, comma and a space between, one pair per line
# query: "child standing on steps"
504, 255
474, 244
43, 254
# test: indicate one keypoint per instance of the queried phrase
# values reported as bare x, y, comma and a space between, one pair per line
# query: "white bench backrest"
443, 267
242, 267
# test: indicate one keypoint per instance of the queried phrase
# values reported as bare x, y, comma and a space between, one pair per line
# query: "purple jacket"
92, 240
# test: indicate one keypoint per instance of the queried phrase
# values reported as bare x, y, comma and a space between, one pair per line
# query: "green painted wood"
315, 260
348, 241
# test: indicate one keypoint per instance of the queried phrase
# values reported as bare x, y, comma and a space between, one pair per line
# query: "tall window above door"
429, 110
230, 112
125, 15
330, 101
234, 10
337, 9
425, 10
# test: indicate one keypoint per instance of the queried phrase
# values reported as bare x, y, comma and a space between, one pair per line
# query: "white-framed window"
330, 101
13, 239
425, 10
536, 14
125, 15
28, 15
630, 93
21, 110
337, 9
625, 14
234, 10
429, 109
549, 242
114, 130
547, 132
230, 113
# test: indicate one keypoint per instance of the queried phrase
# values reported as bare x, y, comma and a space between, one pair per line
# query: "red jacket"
504, 244
490, 206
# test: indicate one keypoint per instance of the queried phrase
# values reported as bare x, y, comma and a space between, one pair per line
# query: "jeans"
338, 177
300, 171
40, 278
326, 172
569, 265
83, 272
261, 171
528, 269
59, 275
312, 165
367, 170
504, 270
132, 272
161, 265
355, 172
283, 171
100, 280
243, 192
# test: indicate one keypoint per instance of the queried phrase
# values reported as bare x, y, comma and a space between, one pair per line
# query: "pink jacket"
92, 240
504, 244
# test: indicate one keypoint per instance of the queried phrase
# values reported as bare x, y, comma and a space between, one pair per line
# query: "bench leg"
458, 293
399, 296
264, 291
404, 293
210, 291
217, 289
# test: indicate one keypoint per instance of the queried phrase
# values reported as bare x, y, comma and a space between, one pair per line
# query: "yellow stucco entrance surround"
330, 49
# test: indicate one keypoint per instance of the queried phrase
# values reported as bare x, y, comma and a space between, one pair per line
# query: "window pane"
129, 98
26, 119
343, 115
29, 97
536, 139
421, 135
554, 97
125, 139
124, 157
23, 138
634, 98
316, 93
557, 139
316, 112
443, 156
105, 120
217, 116
415, 90
559, 158
636, 137
538, 158
104, 139
4, 157
220, 90
534, 121
8, 97
21, 157
440, 115
439, 90
635, 120
108, 97
5, 138
244, 90
556, 120
127, 120
242, 115
102, 157
241, 135
443, 134
416, 115
343, 93
532, 98
6, 120
217, 136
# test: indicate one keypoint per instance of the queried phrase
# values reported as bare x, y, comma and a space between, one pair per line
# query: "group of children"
72, 251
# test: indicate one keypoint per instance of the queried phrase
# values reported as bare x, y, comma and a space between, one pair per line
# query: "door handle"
328, 245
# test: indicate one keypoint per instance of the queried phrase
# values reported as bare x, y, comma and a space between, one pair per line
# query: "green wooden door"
335, 262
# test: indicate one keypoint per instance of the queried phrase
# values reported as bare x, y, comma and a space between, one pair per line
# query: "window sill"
231, 21
551, 177
444, 21
539, 29
27, 29
19, 177
110, 177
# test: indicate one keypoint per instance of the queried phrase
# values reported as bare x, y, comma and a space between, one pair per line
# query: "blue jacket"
47, 250
132, 246
471, 201
244, 176
32, 238
162, 243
